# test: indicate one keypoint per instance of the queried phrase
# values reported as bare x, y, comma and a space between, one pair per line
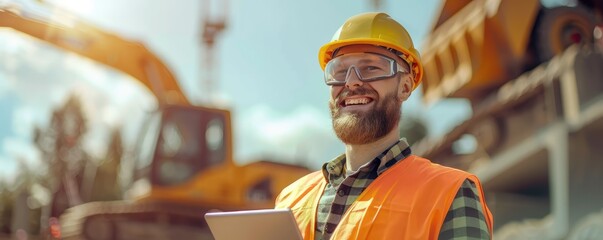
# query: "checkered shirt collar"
336, 168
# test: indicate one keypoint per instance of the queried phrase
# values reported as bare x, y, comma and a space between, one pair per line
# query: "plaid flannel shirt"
464, 220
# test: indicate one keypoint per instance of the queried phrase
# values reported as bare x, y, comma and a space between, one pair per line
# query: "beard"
360, 127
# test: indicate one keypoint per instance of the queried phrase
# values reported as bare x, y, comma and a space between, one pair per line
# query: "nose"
352, 80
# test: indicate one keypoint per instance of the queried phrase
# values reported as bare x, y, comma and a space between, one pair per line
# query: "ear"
405, 87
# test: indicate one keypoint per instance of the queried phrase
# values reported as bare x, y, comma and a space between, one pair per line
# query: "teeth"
356, 101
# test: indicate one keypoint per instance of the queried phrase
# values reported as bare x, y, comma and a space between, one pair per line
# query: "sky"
266, 68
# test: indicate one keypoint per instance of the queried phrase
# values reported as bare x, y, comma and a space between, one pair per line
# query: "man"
378, 189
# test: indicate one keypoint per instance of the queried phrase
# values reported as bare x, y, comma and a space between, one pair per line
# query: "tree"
106, 183
6, 207
25, 213
60, 145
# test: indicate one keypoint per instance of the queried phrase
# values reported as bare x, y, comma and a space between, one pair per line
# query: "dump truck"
182, 163
532, 76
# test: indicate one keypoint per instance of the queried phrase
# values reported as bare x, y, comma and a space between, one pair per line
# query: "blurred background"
129, 120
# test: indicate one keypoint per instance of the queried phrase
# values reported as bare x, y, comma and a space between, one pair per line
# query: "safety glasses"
367, 66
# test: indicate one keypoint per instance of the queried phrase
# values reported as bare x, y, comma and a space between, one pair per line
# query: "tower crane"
211, 26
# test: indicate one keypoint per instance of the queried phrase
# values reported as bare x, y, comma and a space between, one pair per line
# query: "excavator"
184, 166
532, 76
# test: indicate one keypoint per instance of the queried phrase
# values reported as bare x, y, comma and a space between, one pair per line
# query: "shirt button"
341, 193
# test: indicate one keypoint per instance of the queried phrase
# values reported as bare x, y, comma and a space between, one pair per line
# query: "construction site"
532, 75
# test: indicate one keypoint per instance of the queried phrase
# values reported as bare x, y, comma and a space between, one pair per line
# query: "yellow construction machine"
476, 46
532, 75
184, 166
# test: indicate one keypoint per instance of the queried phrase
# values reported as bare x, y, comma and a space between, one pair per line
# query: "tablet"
265, 224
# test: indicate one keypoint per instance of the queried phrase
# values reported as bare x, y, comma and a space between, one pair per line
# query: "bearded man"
378, 189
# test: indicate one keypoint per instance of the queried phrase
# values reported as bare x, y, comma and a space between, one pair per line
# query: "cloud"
303, 134
8, 168
20, 149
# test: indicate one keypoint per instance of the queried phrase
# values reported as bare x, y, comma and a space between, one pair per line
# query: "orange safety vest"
408, 201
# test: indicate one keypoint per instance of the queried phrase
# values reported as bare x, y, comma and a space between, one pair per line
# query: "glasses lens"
367, 66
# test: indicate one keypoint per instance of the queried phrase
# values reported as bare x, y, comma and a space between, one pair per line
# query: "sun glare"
78, 7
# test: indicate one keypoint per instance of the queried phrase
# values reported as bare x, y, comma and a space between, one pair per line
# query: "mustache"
358, 91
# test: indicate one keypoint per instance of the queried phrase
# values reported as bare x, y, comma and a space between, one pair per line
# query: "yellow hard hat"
375, 29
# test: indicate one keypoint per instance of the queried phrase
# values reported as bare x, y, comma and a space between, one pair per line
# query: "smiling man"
377, 189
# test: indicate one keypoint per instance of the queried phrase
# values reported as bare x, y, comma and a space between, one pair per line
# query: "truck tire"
558, 28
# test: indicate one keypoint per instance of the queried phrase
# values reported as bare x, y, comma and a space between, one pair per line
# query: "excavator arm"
71, 34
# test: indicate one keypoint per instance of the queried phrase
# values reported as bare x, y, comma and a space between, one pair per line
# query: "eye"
372, 68
340, 74
340, 71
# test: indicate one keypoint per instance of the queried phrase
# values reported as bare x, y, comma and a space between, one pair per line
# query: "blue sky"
266, 65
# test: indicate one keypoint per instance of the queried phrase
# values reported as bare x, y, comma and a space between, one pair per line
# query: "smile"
356, 101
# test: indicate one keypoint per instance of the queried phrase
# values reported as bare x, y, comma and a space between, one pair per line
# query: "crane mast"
212, 26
